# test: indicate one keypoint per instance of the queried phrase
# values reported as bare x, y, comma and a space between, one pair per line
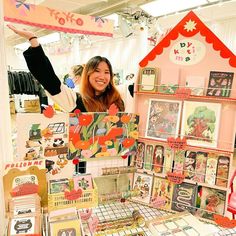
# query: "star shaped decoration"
190, 25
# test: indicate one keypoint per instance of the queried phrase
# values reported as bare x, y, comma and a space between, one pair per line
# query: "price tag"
224, 221
183, 93
176, 178
24, 189
73, 194
177, 143
158, 202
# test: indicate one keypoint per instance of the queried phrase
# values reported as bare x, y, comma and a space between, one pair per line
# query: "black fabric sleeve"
41, 68
79, 103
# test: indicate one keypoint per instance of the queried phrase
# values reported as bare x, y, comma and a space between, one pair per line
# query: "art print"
20, 226
211, 168
140, 154
179, 162
162, 191
163, 119
148, 80
189, 164
184, 197
94, 135
158, 159
58, 186
148, 157
220, 84
210, 201
143, 184
222, 171
83, 182
200, 123
200, 170
43, 138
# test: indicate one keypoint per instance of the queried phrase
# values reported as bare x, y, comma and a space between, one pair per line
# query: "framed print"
200, 123
163, 119
148, 80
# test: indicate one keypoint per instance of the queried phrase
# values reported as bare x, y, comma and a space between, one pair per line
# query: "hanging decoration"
43, 17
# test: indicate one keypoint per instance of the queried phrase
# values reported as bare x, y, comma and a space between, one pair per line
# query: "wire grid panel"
115, 211
95, 166
118, 210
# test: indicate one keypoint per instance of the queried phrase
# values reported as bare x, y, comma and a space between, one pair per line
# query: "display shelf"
191, 97
205, 185
190, 147
149, 172
162, 175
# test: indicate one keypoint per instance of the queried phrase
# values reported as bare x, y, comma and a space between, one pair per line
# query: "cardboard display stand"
191, 112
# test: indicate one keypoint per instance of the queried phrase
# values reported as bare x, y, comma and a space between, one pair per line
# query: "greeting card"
148, 157
83, 181
140, 155
58, 185
210, 201
196, 84
162, 193
222, 171
65, 227
220, 84
169, 80
184, 197
142, 183
200, 169
158, 159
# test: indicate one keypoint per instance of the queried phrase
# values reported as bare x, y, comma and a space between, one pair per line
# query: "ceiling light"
163, 7
50, 38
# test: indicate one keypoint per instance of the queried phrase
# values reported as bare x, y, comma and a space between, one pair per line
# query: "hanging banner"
43, 17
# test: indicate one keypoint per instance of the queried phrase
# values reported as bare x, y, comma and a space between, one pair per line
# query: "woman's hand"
25, 34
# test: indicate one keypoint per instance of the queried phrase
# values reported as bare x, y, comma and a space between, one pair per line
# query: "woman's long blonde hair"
111, 95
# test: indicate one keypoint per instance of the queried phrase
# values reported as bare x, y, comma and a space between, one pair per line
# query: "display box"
88, 199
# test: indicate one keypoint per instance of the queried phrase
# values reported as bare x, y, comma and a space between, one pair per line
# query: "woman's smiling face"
100, 78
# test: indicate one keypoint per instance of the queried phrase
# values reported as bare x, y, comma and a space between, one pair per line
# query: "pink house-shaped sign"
191, 51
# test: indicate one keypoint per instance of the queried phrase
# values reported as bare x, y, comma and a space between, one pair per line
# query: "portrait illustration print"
163, 119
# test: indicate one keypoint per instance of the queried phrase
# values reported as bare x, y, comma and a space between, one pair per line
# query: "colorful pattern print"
93, 135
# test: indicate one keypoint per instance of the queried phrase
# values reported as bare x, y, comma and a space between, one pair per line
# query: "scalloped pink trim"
210, 38
58, 28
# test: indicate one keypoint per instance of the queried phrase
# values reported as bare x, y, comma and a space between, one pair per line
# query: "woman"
97, 90
75, 74
72, 80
